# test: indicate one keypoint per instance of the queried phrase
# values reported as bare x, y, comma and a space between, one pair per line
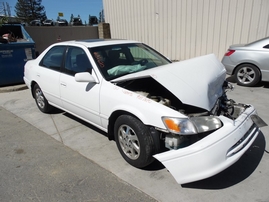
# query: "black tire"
41, 101
247, 75
137, 145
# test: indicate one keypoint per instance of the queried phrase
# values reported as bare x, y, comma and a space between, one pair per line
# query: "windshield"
115, 61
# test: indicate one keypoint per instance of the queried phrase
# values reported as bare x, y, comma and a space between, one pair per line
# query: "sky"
84, 8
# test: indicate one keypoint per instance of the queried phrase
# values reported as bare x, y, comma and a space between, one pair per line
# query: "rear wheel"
134, 141
247, 75
40, 99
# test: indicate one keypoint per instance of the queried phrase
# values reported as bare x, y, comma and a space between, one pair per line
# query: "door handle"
63, 84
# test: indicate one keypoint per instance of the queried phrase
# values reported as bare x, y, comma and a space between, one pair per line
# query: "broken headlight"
193, 125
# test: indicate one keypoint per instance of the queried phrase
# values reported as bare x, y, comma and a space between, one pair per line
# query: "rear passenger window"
54, 58
267, 46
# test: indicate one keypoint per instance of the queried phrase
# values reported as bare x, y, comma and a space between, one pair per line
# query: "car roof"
259, 43
89, 43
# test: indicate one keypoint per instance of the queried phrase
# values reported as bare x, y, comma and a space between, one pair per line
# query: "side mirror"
85, 77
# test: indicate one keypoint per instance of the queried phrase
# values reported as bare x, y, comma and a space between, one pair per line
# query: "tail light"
229, 52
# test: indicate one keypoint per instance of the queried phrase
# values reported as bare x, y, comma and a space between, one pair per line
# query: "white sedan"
177, 113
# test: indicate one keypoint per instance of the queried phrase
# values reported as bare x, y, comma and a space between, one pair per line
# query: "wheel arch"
111, 121
245, 63
33, 83
254, 80
156, 135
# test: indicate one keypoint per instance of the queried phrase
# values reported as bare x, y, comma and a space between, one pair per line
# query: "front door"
79, 98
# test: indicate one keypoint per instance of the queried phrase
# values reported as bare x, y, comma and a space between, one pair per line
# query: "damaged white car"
177, 113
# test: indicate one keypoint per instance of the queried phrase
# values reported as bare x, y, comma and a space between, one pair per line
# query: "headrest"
114, 54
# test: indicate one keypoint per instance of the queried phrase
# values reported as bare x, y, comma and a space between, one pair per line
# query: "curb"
13, 88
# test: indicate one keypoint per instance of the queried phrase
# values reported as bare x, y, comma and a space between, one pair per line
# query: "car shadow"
231, 79
56, 111
59, 111
236, 173
265, 84
85, 123
154, 166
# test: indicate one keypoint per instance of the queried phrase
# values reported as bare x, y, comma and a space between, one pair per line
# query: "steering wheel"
143, 62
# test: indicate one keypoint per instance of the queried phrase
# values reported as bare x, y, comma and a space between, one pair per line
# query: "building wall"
181, 29
45, 36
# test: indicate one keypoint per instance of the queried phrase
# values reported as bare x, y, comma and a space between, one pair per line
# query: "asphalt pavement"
36, 167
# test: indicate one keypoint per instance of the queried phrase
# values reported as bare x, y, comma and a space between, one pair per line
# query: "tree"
71, 18
3, 19
30, 10
93, 20
101, 16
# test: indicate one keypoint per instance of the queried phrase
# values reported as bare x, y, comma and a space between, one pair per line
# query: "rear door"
48, 74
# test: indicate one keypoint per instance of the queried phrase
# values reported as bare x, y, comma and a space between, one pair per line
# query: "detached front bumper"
213, 153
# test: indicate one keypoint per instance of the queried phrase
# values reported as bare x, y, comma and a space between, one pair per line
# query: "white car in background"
177, 113
35, 23
49, 22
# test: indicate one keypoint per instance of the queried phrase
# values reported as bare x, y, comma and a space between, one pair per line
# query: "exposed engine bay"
153, 90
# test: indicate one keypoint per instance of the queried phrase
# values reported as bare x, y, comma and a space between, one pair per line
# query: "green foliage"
30, 10
93, 20
101, 16
3, 20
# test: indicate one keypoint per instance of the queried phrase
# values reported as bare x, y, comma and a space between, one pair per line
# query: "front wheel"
40, 99
247, 75
134, 141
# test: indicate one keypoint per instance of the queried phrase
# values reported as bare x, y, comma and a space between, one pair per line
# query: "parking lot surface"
246, 180
35, 167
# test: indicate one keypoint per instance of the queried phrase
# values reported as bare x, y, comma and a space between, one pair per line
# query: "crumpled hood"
197, 81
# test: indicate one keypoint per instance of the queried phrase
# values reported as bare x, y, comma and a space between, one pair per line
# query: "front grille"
243, 141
